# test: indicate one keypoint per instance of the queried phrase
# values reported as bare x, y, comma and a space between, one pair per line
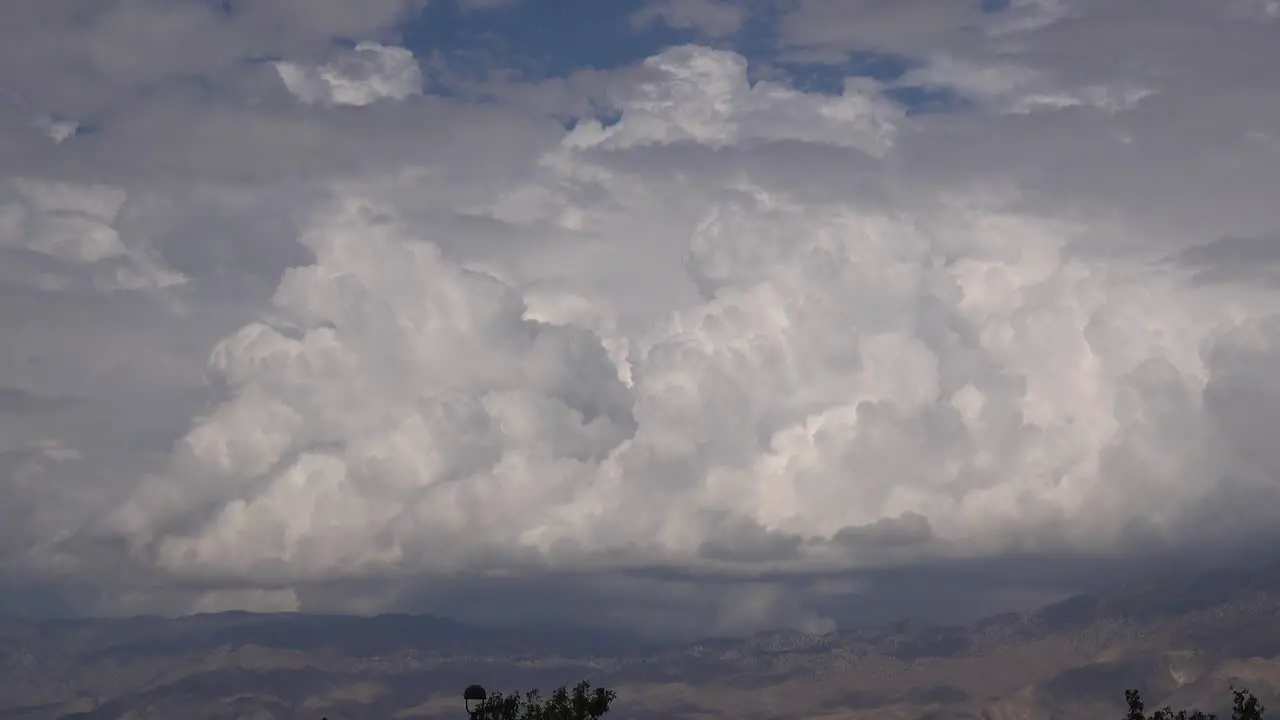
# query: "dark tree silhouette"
580, 703
1244, 706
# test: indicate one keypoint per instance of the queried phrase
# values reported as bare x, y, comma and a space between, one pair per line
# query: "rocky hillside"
1182, 643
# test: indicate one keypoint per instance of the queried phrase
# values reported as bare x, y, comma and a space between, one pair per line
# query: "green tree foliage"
1244, 706
580, 703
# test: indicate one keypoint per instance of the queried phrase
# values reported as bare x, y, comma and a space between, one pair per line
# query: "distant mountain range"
1182, 643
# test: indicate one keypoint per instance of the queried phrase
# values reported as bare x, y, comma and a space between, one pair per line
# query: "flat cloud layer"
737, 354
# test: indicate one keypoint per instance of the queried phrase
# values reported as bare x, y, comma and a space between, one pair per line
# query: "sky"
684, 317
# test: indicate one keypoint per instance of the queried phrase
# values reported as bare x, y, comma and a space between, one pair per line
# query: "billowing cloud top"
741, 328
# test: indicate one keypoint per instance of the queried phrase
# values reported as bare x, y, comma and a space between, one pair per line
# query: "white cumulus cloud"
366, 74
76, 224
701, 95
734, 350
850, 387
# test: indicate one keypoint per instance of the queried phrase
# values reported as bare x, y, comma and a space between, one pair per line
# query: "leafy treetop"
580, 703
1244, 706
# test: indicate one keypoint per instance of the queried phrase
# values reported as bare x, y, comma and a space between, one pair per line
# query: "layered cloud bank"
852, 386
743, 336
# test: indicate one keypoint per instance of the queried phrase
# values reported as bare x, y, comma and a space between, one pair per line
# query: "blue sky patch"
538, 39
829, 79
541, 39
928, 100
